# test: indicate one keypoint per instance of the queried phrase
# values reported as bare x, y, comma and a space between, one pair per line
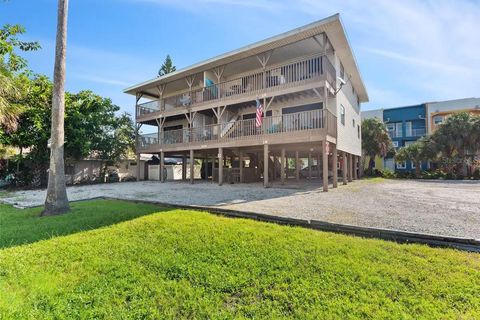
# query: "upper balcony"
416, 132
409, 133
283, 78
395, 133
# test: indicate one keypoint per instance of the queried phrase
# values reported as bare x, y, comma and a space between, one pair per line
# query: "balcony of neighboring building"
415, 132
293, 127
406, 129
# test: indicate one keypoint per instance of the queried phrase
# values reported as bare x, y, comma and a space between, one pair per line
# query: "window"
413, 165
342, 71
358, 131
407, 143
395, 144
408, 129
437, 120
391, 129
342, 114
305, 107
394, 129
401, 165
353, 122
247, 116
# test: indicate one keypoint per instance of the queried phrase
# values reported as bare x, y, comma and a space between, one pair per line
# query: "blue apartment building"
405, 126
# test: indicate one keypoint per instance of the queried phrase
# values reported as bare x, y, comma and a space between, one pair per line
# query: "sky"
408, 52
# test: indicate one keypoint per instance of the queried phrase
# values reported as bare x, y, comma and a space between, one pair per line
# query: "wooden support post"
360, 167
184, 167
265, 165
274, 168
350, 167
286, 167
240, 165
325, 166
297, 166
319, 168
205, 166
162, 165
309, 166
355, 161
138, 166
282, 166
220, 166
344, 169
192, 168
335, 166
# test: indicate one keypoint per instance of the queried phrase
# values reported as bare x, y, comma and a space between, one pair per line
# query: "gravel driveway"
436, 207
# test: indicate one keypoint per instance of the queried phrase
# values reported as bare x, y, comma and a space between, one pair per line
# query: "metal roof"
332, 26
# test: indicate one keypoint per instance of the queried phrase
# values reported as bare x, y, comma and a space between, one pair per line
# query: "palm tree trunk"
418, 169
371, 164
57, 201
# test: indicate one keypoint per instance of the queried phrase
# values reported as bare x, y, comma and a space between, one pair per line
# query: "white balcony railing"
247, 129
395, 133
418, 132
286, 75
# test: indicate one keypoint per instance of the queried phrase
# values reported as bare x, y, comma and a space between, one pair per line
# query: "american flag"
259, 118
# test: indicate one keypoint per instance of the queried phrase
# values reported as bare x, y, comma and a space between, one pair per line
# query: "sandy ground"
436, 207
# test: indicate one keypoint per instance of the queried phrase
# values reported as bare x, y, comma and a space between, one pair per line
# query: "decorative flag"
259, 117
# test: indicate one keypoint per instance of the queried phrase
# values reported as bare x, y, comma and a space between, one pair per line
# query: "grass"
189, 264
26, 226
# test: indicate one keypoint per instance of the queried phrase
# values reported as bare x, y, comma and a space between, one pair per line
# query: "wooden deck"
301, 127
301, 74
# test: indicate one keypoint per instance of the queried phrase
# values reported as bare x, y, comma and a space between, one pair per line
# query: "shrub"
434, 174
387, 173
476, 174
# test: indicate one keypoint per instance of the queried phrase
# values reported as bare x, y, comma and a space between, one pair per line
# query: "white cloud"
194, 5
414, 61
98, 79
388, 98
433, 45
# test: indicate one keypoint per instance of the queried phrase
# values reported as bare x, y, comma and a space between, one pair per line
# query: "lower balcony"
295, 127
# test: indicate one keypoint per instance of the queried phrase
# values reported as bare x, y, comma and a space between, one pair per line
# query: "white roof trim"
330, 25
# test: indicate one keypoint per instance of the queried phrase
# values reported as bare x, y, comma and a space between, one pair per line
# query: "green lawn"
189, 264
26, 226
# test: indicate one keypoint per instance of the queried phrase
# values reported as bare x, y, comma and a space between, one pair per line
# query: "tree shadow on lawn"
23, 226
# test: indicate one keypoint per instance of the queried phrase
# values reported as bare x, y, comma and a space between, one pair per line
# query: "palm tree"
414, 153
13, 80
57, 201
375, 140
456, 142
9, 112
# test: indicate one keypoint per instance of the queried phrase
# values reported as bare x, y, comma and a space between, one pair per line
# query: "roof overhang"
332, 26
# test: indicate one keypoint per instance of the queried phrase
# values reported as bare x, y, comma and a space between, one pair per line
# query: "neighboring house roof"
332, 26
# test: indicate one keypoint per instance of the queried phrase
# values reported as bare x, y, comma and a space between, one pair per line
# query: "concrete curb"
465, 244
